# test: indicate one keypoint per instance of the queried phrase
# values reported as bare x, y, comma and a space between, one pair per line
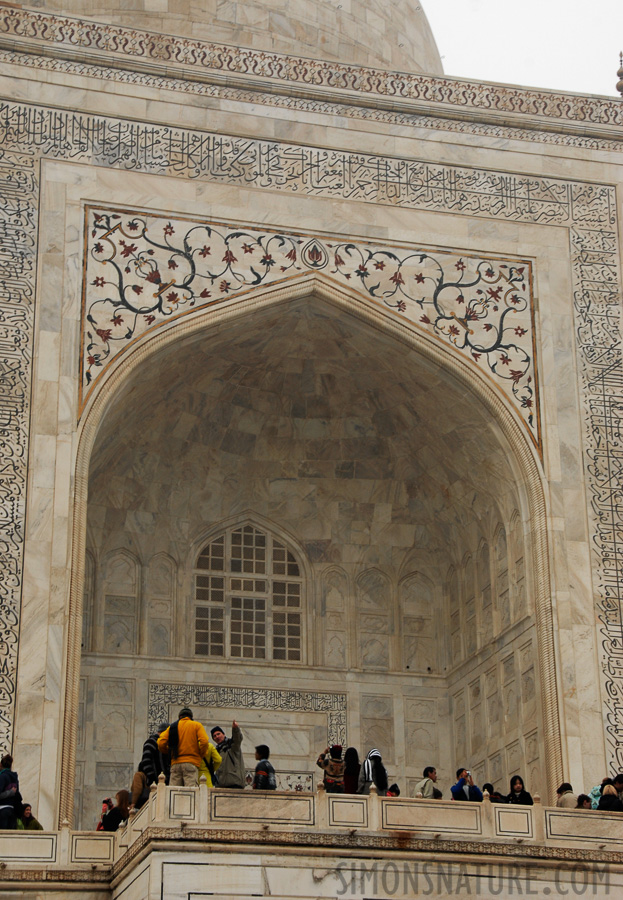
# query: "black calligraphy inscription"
18, 217
162, 697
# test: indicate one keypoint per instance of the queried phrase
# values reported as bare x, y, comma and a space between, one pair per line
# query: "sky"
558, 44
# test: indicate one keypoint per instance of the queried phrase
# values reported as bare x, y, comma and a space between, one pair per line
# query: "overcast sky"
558, 44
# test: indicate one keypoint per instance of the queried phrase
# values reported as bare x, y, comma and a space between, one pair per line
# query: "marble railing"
233, 816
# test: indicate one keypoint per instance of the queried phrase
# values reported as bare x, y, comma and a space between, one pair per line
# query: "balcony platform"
190, 843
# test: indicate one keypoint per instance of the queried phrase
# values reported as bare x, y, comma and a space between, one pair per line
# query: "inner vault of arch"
390, 485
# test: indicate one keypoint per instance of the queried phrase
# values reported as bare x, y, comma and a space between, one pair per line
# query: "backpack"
11, 797
210, 768
10, 793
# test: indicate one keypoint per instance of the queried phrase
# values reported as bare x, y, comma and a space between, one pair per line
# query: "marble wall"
415, 483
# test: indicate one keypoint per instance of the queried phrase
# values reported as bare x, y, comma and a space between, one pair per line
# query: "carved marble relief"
18, 237
420, 650
374, 606
114, 719
159, 601
484, 590
421, 733
335, 604
117, 632
377, 725
502, 593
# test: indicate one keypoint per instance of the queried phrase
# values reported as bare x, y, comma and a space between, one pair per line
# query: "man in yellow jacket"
187, 742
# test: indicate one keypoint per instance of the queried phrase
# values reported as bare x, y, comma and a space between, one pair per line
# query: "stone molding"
406, 113
588, 210
105, 43
357, 841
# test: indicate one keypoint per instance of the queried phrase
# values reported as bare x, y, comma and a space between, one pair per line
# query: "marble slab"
262, 806
417, 815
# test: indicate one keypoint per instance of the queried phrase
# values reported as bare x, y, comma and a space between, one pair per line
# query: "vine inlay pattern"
143, 271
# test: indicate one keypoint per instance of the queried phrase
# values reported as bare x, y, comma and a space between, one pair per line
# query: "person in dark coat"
518, 792
10, 797
153, 761
494, 796
610, 800
231, 772
264, 778
352, 767
373, 772
119, 813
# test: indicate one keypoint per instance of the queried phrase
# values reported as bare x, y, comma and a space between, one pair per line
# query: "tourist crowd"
183, 753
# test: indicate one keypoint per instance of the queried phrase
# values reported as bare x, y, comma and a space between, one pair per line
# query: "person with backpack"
332, 764
153, 761
188, 743
10, 797
210, 762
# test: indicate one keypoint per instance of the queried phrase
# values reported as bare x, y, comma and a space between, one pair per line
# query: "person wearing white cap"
373, 772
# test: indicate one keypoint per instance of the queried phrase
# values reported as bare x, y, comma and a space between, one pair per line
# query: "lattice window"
209, 632
239, 615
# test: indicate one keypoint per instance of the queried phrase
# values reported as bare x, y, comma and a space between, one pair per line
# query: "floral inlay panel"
143, 271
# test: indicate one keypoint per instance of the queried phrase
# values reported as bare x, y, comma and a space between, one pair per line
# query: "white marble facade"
452, 537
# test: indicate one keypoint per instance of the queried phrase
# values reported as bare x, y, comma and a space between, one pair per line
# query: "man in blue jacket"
465, 789
10, 797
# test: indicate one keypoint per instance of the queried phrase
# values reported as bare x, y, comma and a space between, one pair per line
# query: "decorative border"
143, 271
588, 210
162, 695
356, 840
585, 138
190, 56
18, 242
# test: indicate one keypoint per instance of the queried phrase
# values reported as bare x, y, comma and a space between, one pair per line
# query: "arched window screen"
248, 598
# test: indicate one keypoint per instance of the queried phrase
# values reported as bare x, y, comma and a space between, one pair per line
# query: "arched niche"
372, 417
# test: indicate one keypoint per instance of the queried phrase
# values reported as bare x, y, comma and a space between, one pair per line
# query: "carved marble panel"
514, 758
113, 776
496, 770
377, 725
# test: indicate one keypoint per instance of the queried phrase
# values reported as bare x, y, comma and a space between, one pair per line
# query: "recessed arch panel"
319, 294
